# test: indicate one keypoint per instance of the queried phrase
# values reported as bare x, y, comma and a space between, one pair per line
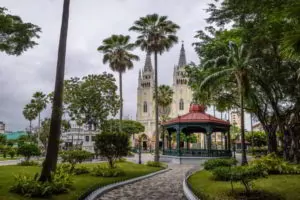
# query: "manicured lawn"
285, 187
81, 183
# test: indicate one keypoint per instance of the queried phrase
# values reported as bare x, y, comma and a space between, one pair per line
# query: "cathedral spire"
148, 64
182, 58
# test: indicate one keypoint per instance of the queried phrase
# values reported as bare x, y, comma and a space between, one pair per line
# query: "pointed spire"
148, 64
140, 75
182, 58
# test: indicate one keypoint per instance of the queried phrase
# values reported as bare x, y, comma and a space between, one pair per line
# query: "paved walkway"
165, 186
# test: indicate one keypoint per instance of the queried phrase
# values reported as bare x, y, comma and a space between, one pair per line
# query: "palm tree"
30, 114
40, 101
164, 100
157, 34
50, 162
117, 52
237, 65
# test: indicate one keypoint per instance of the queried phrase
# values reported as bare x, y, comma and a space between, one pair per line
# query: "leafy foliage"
16, 36
92, 99
29, 186
259, 138
28, 150
103, 171
12, 152
3, 139
128, 126
81, 170
75, 156
275, 165
154, 164
112, 145
219, 162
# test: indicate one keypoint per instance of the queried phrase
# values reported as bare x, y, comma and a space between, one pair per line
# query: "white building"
79, 136
182, 96
2, 127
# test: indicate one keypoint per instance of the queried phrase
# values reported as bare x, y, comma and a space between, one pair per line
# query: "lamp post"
252, 138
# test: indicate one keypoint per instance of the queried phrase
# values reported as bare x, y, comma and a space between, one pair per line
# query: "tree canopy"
16, 36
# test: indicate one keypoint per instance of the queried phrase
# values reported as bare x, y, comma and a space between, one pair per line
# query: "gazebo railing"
197, 153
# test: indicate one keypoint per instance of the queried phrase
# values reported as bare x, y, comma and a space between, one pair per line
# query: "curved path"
164, 186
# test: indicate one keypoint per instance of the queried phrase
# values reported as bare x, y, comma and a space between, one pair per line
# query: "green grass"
285, 187
81, 182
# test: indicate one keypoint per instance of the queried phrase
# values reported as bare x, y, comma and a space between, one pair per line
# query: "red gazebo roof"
196, 115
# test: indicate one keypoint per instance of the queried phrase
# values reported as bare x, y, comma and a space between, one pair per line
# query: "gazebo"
196, 121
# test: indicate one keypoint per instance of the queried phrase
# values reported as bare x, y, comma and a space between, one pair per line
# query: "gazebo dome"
197, 108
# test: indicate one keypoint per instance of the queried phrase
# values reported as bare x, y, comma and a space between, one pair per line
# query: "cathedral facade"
182, 96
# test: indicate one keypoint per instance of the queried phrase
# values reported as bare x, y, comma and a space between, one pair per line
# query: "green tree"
16, 35
164, 100
30, 114
3, 139
259, 138
92, 99
237, 64
55, 126
112, 145
157, 34
75, 156
117, 52
39, 101
28, 150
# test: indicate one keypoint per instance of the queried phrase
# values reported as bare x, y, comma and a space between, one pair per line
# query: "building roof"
14, 135
182, 57
197, 115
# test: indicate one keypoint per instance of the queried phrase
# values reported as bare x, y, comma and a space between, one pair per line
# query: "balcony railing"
197, 153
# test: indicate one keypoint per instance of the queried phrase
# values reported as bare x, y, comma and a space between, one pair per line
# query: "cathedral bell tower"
145, 103
182, 96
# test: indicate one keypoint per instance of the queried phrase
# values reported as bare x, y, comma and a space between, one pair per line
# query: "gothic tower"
145, 103
182, 96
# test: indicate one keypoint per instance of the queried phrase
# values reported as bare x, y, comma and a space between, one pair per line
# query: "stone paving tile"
165, 186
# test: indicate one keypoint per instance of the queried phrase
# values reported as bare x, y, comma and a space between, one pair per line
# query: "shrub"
75, 156
112, 145
81, 170
274, 165
122, 160
28, 150
12, 153
222, 173
219, 162
107, 172
28, 163
154, 164
29, 186
246, 174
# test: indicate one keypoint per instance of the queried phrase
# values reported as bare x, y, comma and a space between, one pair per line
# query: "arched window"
181, 104
145, 107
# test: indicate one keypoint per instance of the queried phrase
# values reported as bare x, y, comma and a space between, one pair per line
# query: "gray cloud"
90, 22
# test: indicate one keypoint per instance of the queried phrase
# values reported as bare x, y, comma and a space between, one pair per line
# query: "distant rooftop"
14, 135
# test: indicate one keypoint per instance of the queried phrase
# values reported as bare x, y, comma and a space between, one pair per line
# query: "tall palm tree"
164, 100
157, 34
30, 114
40, 101
117, 52
50, 162
237, 65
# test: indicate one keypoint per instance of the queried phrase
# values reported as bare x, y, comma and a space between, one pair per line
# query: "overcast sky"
90, 22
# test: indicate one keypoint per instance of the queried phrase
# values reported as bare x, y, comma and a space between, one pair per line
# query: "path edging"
186, 188
98, 192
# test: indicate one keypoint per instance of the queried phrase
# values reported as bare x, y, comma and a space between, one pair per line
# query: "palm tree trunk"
244, 158
156, 157
50, 162
30, 126
38, 136
121, 99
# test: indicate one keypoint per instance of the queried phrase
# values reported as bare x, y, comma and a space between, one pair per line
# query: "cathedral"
182, 96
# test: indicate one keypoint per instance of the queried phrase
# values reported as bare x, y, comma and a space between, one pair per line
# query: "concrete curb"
100, 191
186, 188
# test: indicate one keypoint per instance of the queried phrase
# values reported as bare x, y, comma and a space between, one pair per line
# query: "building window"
87, 138
93, 138
145, 107
181, 105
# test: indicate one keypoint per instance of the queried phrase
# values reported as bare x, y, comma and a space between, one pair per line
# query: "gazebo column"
226, 142
178, 141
